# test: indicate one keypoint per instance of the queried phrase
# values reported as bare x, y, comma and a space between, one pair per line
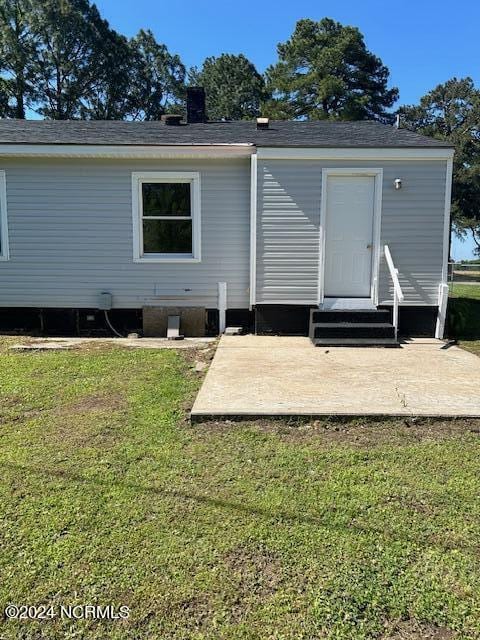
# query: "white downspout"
253, 229
443, 286
222, 306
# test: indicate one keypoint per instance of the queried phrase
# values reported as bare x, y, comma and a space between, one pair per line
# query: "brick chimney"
196, 111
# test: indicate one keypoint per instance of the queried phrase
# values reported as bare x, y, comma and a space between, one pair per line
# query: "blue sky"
423, 43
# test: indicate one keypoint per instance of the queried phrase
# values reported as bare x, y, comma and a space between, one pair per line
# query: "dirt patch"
19, 417
9, 412
69, 434
101, 433
93, 403
412, 630
192, 614
11, 401
360, 432
250, 574
256, 573
199, 354
418, 506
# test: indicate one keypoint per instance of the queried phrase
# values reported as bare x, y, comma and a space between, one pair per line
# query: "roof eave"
355, 153
65, 150
224, 150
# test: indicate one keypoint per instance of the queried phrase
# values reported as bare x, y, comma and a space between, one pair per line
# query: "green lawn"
471, 291
226, 531
470, 345
464, 316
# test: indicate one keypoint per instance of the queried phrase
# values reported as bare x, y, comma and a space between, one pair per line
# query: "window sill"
166, 259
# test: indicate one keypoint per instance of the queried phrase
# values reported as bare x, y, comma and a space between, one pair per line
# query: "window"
4, 255
166, 216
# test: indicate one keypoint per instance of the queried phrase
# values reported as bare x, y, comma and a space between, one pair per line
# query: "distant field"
460, 290
460, 276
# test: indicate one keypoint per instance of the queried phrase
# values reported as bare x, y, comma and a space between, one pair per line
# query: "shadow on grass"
277, 516
464, 318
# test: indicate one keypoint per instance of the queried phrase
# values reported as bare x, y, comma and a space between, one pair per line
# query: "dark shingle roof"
280, 134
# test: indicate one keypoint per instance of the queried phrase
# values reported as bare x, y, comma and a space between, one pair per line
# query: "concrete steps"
352, 327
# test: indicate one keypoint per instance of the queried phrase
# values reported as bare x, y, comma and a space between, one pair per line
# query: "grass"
470, 345
464, 316
245, 531
469, 291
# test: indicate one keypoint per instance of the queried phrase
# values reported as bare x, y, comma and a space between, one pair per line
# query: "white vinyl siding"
4, 244
71, 235
288, 215
288, 219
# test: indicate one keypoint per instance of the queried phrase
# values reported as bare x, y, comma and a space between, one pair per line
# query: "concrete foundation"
192, 321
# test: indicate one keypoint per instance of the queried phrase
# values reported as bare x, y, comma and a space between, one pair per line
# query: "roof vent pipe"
397, 121
196, 110
263, 123
171, 120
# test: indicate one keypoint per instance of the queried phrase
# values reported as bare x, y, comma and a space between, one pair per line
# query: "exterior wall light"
398, 183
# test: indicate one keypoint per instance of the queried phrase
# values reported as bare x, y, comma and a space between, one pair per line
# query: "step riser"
351, 316
365, 342
354, 332
362, 327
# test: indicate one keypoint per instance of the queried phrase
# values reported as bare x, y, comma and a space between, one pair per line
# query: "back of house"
320, 228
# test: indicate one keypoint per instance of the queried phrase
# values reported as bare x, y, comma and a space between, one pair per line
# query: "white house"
284, 227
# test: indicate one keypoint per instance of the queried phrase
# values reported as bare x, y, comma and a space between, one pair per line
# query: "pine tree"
325, 71
451, 112
234, 88
18, 57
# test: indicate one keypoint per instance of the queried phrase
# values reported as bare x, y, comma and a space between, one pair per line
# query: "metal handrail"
398, 296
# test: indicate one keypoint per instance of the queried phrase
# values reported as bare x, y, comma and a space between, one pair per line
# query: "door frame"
377, 174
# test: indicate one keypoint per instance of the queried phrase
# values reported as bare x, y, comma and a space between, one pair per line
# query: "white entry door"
350, 202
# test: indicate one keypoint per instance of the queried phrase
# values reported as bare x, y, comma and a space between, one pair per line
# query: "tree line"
60, 59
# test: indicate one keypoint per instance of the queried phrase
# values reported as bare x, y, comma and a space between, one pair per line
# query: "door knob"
369, 246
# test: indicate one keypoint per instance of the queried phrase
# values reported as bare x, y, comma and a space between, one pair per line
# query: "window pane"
167, 236
166, 198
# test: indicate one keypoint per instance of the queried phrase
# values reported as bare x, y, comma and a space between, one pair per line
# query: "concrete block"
233, 331
192, 321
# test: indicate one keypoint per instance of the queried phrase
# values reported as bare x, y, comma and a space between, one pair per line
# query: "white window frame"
4, 250
138, 179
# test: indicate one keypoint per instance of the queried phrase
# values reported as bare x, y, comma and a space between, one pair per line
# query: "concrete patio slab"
281, 376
